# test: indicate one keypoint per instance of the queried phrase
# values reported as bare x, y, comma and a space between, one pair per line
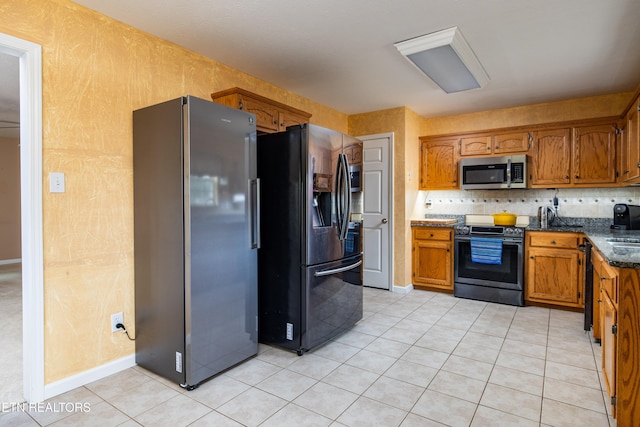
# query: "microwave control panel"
517, 172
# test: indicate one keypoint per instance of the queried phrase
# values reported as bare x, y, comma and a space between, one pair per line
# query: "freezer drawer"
300, 313
333, 300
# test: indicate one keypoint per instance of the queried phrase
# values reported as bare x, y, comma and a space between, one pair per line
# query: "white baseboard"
10, 261
403, 289
86, 377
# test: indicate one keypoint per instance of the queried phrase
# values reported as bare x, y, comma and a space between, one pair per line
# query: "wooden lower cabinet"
621, 348
608, 333
554, 269
617, 295
432, 262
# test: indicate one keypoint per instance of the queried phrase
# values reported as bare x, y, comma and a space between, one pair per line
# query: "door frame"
390, 260
30, 58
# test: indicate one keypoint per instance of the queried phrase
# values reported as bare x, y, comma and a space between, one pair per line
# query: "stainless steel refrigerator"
196, 238
310, 284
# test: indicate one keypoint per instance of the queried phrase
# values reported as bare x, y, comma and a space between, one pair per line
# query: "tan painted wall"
405, 125
96, 71
10, 248
574, 109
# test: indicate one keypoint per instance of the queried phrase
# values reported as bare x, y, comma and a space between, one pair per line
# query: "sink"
627, 246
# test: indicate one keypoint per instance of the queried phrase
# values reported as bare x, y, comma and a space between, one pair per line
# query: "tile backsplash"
579, 202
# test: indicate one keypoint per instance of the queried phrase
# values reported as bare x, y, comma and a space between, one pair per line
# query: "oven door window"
507, 274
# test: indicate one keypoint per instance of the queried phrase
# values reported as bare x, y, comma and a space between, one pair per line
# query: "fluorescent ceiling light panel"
447, 59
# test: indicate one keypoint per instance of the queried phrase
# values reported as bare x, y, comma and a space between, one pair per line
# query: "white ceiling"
340, 53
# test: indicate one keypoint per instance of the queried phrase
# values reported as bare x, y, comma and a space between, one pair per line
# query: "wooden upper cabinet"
439, 164
271, 116
512, 143
495, 144
594, 155
475, 145
630, 146
354, 153
551, 158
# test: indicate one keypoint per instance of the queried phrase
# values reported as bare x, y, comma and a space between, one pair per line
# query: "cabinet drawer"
432, 233
554, 240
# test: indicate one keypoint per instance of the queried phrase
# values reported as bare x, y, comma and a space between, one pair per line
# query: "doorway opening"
29, 57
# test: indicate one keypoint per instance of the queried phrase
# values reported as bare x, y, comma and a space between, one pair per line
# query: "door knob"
384, 220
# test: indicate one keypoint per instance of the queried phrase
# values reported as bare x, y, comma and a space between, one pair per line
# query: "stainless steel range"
489, 263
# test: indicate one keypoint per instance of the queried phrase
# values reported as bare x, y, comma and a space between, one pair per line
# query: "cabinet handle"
497, 147
553, 242
566, 177
489, 148
447, 250
599, 300
430, 235
532, 257
577, 176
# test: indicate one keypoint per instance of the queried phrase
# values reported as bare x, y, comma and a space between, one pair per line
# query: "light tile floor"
420, 359
11, 337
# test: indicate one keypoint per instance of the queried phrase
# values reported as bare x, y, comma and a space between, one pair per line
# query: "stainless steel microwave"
485, 173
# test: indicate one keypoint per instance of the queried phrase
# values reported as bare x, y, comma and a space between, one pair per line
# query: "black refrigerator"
195, 238
309, 283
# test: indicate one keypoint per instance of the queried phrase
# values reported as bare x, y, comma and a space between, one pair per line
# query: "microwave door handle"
509, 172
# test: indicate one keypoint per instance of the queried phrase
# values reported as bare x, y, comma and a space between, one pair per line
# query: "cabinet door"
439, 164
433, 264
594, 155
287, 118
475, 145
508, 143
551, 157
267, 116
354, 153
609, 343
554, 276
630, 155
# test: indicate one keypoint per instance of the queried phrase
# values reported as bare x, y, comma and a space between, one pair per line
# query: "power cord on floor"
121, 326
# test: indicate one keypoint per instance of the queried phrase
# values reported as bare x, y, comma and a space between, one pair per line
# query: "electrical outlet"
115, 319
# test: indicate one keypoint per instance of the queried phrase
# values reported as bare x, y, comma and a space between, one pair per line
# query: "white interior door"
377, 221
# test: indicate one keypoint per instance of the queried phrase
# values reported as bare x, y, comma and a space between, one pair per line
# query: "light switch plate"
56, 182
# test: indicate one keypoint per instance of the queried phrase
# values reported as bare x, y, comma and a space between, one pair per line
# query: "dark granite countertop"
427, 221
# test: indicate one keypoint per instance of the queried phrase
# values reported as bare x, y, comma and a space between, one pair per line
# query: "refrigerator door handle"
338, 195
254, 212
347, 196
343, 196
337, 270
